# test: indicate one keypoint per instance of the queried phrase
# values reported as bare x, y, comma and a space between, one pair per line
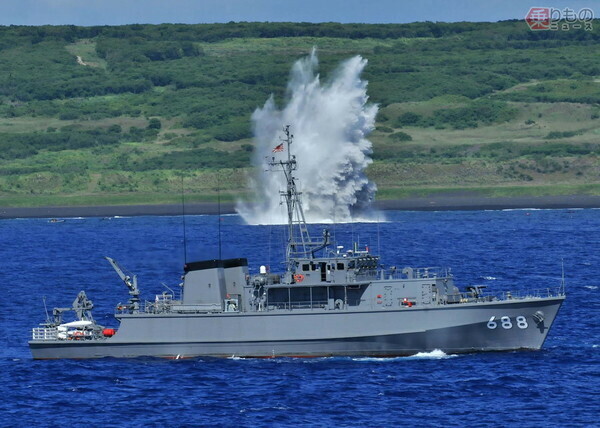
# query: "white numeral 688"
506, 323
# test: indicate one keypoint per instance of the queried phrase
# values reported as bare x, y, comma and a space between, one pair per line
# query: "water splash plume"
330, 121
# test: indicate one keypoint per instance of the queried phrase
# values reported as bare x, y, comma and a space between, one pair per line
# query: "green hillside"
114, 115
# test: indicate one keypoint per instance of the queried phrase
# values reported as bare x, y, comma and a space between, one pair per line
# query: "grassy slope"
441, 160
500, 176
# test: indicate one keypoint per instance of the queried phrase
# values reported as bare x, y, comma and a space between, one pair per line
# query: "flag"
278, 148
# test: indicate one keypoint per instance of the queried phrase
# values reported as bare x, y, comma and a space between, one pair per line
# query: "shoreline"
433, 203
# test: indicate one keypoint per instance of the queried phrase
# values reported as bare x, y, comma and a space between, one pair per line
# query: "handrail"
431, 272
533, 293
539, 293
44, 333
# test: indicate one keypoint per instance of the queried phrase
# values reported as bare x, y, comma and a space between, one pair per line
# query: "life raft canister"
298, 277
108, 332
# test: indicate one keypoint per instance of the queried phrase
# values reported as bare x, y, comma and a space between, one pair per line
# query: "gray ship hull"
460, 328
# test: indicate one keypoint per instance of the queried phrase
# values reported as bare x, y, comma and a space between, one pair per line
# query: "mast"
300, 243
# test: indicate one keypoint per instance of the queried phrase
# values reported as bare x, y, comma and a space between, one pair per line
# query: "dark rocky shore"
434, 203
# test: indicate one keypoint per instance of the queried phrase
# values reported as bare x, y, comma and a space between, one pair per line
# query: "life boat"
78, 335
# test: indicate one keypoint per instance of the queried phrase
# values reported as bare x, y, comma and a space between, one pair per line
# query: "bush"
408, 119
154, 123
115, 129
14, 146
484, 111
68, 115
194, 159
554, 135
232, 131
135, 134
400, 136
383, 128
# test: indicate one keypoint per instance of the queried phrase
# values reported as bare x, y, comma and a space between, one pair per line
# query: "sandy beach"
435, 203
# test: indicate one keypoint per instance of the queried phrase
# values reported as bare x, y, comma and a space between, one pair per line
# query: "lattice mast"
300, 243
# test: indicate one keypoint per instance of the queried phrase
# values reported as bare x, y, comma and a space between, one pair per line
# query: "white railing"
508, 295
537, 293
43, 333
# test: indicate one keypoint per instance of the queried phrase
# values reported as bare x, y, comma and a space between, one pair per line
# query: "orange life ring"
298, 277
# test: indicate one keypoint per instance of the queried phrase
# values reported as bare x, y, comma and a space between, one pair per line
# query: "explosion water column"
330, 122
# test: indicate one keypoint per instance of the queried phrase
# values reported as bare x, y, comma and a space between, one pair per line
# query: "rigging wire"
219, 214
183, 221
378, 236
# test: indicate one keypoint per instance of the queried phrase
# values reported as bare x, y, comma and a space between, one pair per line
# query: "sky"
119, 12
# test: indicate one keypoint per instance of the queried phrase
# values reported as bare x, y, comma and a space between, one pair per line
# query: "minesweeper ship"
326, 303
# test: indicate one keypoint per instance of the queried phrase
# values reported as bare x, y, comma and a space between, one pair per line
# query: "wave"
263, 409
378, 359
544, 209
318, 221
436, 354
591, 287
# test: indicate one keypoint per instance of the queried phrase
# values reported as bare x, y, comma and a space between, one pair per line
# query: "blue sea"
504, 250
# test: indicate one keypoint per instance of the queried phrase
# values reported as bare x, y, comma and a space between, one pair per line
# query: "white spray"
330, 123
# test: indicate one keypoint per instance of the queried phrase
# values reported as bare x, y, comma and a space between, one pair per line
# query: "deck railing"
44, 333
539, 293
315, 304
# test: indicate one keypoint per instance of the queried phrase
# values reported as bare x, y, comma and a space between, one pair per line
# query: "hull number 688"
506, 323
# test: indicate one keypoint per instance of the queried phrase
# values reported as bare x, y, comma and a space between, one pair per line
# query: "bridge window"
340, 266
306, 267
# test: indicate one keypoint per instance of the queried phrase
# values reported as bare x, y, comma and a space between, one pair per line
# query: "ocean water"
505, 250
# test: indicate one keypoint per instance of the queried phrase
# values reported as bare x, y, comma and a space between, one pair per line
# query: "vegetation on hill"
120, 113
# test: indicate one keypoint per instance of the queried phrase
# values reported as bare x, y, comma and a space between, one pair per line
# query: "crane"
131, 283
